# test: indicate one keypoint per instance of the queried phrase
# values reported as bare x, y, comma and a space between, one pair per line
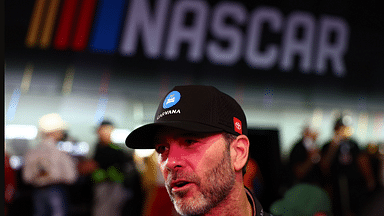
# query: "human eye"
161, 149
190, 141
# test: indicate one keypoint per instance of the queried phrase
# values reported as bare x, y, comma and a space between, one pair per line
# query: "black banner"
296, 44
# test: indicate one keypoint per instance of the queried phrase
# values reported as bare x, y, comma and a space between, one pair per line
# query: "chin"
195, 205
192, 208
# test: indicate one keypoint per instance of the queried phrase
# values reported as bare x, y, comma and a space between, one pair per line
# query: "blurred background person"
156, 198
348, 172
253, 178
304, 159
116, 189
80, 193
303, 200
50, 170
372, 151
381, 169
375, 203
9, 184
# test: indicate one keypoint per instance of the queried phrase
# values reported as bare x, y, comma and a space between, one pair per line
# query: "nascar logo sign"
111, 26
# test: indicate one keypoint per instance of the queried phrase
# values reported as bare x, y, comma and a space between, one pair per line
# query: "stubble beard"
219, 182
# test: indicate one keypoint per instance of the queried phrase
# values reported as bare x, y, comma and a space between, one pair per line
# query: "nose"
175, 159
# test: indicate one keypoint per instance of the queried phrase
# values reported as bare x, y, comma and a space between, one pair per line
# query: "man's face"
344, 131
104, 133
197, 169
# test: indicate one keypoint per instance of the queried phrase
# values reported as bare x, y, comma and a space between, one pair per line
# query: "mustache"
175, 175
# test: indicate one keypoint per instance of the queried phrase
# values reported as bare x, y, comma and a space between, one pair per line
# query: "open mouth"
180, 185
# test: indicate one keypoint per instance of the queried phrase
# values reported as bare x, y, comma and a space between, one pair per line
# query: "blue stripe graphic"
107, 26
13, 104
100, 110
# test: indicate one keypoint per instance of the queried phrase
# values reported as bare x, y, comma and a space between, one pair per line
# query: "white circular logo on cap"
238, 125
171, 99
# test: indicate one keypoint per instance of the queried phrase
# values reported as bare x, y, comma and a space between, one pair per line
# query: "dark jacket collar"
256, 206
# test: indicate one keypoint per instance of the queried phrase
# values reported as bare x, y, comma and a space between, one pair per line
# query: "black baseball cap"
195, 108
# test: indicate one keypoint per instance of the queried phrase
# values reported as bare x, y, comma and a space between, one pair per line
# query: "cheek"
233, 154
161, 163
209, 161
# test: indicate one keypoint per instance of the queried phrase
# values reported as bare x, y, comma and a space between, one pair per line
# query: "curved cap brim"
144, 136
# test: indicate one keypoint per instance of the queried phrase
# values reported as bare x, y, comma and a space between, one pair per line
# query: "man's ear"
239, 152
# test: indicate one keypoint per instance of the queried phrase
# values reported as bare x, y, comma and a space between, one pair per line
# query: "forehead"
169, 132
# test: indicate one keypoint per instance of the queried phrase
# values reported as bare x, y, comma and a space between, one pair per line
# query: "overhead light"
144, 152
15, 162
82, 148
28, 132
347, 120
119, 135
65, 146
74, 148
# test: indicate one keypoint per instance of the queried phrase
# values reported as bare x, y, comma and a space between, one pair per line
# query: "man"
200, 135
49, 170
117, 183
304, 159
348, 172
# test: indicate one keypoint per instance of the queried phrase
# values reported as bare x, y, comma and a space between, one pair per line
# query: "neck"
235, 204
105, 142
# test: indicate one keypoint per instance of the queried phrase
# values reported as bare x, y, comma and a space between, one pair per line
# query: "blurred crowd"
338, 178
112, 181
351, 178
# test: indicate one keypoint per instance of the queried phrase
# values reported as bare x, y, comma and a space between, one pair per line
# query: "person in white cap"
49, 170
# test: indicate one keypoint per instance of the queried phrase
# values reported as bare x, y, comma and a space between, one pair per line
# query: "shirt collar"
257, 209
